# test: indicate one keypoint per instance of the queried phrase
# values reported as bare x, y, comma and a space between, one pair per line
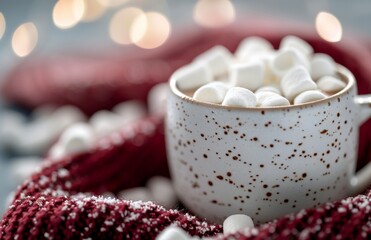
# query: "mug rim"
341, 70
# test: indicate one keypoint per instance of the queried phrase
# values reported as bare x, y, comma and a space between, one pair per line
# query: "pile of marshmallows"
81, 137
260, 76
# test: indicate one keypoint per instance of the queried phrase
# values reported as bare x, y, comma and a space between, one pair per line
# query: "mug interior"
342, 72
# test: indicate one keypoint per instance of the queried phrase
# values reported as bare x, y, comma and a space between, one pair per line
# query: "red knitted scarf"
61, 201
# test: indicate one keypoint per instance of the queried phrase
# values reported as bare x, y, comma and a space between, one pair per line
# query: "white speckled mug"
265, 162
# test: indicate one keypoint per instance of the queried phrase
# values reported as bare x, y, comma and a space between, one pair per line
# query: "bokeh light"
24, 39
328, 27
121, 23
2, 25
214, 13
150, 30
111, 3
67, 13
93, 10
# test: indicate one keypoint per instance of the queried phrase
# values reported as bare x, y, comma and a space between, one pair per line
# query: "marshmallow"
157, 99
43, 112
162, 191
37, 136
249, 75
56, 152
212, 92
192, 76
64, 117
266, 58
264, 55
270, 99
173, 232
24, 167
239, 97
287, 59
261, 96
269, 76
330, 84
269, 88
104, 122
251, 47
217, 59
77, 138
136, 194
130, 111
322, 65
236, 223
309, 96
11, 128
297, 43
296, 81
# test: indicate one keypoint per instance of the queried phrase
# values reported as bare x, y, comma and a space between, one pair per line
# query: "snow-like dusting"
134, 219
62, 172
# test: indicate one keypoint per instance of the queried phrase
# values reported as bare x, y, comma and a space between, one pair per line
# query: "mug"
265, 162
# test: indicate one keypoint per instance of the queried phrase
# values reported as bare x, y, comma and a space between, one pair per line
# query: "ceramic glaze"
262, 162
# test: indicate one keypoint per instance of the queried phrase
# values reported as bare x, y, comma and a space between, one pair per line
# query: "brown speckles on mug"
254, 139
267, 124
324, 131
220, 177
195, 185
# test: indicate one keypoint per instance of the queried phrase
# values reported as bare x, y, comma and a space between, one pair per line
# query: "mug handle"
362, 179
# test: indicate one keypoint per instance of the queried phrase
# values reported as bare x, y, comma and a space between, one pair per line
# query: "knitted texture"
59, 202
62, 200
